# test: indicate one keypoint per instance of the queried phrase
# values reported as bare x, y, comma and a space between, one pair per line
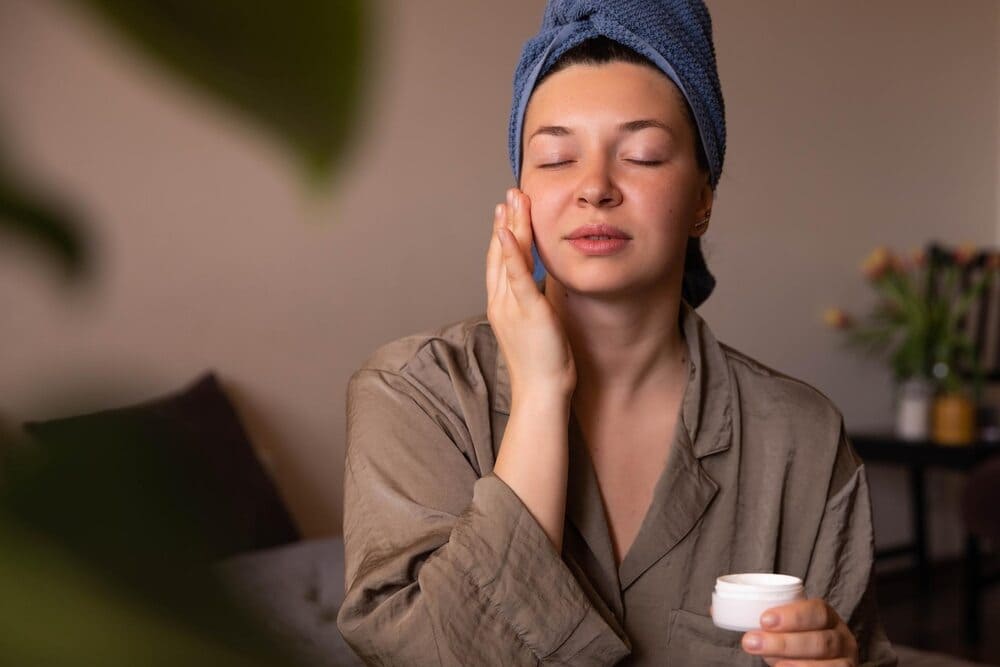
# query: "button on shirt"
446, 566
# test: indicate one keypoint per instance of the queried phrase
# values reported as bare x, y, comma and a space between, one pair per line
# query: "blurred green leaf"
55, 231
292, 67
105, 555
55, 611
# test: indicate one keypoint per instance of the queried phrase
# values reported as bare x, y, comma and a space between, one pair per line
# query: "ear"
705, 200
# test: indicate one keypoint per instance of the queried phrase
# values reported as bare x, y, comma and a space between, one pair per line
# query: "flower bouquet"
920, 316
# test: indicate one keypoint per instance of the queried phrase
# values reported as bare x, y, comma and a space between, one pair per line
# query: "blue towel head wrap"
675, 35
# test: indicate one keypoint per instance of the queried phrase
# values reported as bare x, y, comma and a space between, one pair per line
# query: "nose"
597, 188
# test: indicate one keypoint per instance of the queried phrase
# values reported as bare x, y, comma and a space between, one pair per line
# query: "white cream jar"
739, 600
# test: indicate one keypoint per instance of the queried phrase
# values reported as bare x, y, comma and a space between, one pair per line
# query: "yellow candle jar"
954, 419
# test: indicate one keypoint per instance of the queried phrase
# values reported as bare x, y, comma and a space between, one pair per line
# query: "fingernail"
752, 642
517, 203
510, 197
769, 620
498, 212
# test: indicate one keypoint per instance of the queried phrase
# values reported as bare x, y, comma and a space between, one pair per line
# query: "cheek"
655, 207
662, 199
545, 206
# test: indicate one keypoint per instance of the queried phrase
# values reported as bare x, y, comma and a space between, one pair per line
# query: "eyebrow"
630, 126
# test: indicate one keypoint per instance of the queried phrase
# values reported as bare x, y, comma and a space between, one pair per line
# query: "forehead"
610, 92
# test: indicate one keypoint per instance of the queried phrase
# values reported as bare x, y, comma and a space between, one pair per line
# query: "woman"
562, 480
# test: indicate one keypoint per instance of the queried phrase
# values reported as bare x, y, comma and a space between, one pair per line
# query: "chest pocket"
694, 640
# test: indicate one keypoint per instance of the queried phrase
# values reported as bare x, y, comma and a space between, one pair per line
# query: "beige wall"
851, 124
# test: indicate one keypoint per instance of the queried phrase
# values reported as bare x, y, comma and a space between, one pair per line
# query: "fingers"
519, 206
813, 614
518, 278
494, 255
503, 286
506, 271
804, 629
836, 662
813, 645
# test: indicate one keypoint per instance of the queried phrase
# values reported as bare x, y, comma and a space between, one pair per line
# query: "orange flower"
877, 263
964, 254
837, 318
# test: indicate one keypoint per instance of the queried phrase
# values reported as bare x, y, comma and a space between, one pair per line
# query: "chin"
594, 281
607, 281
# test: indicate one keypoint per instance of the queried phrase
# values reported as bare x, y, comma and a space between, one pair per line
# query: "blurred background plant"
102, 557
917, 321
293, 70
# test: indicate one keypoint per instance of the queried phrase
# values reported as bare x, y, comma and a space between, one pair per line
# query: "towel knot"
571, 11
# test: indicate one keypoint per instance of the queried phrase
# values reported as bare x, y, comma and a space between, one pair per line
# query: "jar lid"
758, 582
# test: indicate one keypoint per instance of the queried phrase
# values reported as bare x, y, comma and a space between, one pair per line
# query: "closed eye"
554, 164
646, 163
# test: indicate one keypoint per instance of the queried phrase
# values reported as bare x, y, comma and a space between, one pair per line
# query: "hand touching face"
528, 331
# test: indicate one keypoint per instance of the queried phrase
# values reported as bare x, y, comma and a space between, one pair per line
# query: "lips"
599, 231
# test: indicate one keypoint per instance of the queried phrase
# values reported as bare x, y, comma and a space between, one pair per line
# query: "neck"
624, 346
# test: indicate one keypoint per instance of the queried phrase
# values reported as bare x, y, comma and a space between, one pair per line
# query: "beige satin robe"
446, 566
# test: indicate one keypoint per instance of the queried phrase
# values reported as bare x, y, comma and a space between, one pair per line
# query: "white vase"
914, 398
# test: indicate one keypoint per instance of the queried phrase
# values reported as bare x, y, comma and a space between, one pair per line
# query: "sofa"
172, 483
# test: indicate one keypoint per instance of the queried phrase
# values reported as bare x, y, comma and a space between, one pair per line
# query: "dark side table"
917, 457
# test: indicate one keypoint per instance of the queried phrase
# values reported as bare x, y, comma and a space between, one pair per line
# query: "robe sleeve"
840, 570
442, 566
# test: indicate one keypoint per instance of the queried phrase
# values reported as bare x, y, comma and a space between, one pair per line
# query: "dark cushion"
182, 460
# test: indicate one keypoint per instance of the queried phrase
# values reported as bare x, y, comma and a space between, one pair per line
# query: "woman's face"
611, 144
